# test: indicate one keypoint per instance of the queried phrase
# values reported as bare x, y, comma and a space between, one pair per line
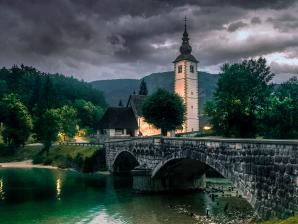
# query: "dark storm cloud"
109, 39
236, 25
285, 23
219, 52
255, 20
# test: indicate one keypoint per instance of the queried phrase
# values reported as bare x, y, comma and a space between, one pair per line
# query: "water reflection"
2, 193
58, 188
34, 196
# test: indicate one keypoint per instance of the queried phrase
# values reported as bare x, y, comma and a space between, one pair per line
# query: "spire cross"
185, 20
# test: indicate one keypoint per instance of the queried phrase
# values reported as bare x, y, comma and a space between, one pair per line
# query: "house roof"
118, 117
136, 103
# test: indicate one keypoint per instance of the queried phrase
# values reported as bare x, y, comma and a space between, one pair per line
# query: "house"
126, 121
118, 122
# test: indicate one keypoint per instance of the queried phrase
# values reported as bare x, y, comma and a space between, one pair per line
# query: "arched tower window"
191, 68
180, 69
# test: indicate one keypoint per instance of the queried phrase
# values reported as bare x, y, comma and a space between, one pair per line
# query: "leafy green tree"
48, 95
164, 110
279, 119
3, 87
143, 88
242, 90
36, 94
47, 128
16, 119
88, 114
69, 120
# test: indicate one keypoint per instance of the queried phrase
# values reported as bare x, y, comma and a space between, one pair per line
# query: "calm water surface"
56, 196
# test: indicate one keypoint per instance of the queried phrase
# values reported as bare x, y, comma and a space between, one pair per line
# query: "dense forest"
45, 106
33, 86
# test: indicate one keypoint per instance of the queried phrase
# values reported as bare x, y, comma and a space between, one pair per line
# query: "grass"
26, 153
292, 220
81, 158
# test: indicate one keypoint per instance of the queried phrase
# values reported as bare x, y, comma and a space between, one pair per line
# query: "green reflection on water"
55, 196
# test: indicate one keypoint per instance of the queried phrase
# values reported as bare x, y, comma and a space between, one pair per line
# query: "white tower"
186, 83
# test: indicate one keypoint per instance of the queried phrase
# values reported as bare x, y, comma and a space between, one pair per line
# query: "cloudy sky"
108, 39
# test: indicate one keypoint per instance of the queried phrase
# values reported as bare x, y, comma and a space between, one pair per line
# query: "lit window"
179, 68
191, 68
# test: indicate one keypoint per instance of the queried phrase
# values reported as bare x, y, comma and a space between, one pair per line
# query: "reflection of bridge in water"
264, 171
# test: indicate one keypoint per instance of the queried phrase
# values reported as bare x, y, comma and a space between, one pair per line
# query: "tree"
120, 104
3, 87
143, 88
88, 114
36, 92
69, 121
48, 95
242, 90
164, 110
279, 119
16, 119
47, 128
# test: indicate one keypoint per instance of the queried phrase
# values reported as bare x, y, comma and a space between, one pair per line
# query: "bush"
38, 159
84, 159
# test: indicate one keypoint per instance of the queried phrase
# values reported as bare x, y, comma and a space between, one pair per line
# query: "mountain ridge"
119, 89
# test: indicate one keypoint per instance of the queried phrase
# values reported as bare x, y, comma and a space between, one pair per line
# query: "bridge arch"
124, 162
195, 167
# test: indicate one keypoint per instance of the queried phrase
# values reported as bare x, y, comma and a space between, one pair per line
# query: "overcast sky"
108, 39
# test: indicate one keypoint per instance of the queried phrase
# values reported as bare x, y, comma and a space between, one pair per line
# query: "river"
59, 196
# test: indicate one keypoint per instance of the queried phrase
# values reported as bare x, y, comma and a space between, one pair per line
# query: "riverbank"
291, 220
80, 158
25, 164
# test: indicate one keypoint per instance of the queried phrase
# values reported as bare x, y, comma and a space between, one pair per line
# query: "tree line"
247, 104
43, 105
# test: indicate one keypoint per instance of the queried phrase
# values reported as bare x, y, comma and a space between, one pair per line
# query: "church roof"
118, 117
136, 103
188, 57
185, 49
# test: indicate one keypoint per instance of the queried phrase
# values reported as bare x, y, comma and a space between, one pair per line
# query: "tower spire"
185, 47
185, 20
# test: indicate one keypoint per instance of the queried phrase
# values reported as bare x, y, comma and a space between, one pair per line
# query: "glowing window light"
206, 128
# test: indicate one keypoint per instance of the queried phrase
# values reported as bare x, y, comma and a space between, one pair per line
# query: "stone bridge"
265, 172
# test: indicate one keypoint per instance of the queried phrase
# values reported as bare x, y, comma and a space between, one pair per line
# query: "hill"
120, 89
31, 86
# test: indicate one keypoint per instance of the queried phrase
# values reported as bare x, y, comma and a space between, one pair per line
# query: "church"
128, 121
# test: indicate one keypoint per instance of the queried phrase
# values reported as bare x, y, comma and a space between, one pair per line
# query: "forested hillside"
33, 86
45, 107
120, 89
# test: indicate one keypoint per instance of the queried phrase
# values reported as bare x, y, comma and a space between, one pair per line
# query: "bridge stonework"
265, 172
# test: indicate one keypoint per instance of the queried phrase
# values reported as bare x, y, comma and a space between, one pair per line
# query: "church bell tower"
186, 83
